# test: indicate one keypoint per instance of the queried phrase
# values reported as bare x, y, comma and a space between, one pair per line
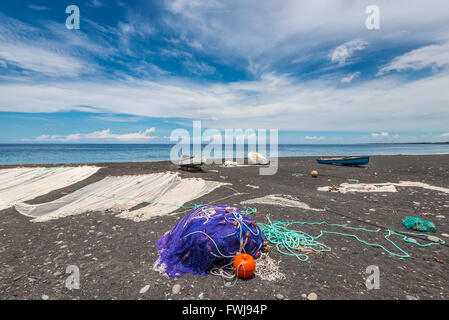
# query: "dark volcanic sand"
115, 256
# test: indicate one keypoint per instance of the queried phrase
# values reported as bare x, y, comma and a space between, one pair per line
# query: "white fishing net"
282, 201
268, 269
22, 184
380, 187
163, 192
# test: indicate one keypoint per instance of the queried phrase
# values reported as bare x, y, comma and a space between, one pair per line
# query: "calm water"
84, 153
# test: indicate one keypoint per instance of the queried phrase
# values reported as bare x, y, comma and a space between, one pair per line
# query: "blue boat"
346, 161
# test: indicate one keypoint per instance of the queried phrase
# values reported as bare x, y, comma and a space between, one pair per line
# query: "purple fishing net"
209, 236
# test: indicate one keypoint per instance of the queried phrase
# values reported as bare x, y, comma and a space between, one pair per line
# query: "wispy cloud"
199, 68
94, 3
345, 51
97, 136
435, 56
38, 7
46, 50
24, 56
350, 77
117, 118
278, 101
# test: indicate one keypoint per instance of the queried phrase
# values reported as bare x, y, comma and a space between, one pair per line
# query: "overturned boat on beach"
195, 163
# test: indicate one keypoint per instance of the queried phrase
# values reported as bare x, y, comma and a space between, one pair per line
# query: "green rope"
416, 223
43, 171
292, 241
249, 210
289, 242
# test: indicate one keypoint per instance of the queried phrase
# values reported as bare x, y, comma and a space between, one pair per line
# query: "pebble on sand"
433, 238
45, 297
312, 296
144, 289
176, 289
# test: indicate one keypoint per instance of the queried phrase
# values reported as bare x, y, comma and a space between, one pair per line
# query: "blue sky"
136, 70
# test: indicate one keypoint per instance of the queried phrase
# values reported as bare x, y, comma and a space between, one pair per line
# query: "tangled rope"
416, 223
300, 244
268, 269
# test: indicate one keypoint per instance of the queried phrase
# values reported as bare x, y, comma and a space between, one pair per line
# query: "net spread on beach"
380, 187
281, 201
22, 184
162, 192
207, 240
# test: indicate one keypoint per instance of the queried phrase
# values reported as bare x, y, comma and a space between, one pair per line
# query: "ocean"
95, 153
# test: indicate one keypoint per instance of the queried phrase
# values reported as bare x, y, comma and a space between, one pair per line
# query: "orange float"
244, 265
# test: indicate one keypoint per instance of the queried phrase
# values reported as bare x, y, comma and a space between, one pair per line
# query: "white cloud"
255, 28
345, 51
444, 135
199, 68
273, 101
37, 7
350, 77
95, 3
436, 56
47, 49
380, 135
314, 137
33, 58
113, 118
98, 135
261, 35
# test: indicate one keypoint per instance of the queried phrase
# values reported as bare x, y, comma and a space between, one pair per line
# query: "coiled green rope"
292, 241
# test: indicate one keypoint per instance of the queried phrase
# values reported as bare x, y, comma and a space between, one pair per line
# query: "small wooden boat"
195, 163
346, 161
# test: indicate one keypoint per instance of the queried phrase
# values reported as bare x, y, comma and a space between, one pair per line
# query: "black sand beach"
116, 256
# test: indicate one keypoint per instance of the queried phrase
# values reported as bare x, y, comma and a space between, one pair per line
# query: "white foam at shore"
280, 200
380, 187
22, 184
123, 193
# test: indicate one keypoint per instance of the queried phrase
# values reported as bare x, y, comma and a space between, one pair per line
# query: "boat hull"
347, 161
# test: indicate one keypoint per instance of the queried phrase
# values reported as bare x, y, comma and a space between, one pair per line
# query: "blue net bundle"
208, 237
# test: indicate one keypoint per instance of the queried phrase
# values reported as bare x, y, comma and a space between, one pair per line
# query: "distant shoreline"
173, 144
447, 142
